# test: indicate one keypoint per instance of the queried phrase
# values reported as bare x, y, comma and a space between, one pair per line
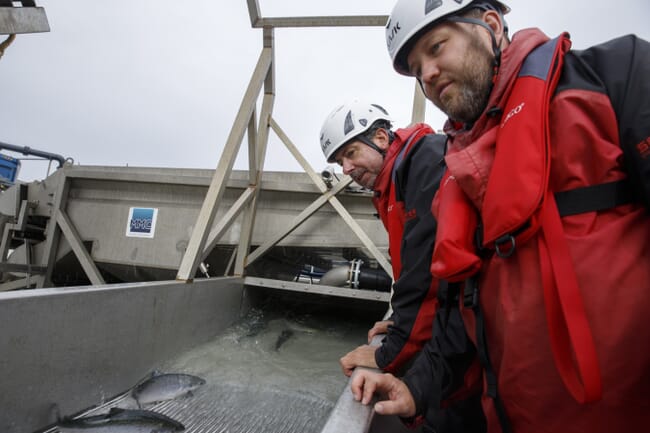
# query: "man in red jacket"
403, 168
548, 169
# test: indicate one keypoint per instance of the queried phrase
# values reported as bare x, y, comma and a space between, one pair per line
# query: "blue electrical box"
8, 170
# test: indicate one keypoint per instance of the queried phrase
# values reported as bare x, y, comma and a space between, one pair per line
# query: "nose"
347, 165
429, 72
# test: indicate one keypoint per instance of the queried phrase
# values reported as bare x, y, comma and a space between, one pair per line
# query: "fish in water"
164, 387
121, 421
283, 337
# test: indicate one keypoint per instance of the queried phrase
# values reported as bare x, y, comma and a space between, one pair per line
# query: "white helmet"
346, 122
409, 17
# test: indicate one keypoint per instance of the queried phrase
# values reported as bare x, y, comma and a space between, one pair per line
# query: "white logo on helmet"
324, 145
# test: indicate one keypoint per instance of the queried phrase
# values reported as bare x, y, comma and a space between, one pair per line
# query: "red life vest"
517, 205
392, 212
394, 216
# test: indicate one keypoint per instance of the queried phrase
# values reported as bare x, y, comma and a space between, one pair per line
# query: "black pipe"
375, 279
356, 277
26, 150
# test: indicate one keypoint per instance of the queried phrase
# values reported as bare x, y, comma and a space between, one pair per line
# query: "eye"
346, 154
435, 48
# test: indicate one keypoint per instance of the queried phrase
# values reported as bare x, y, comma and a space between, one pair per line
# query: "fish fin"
146, 377
187, 394
128, 402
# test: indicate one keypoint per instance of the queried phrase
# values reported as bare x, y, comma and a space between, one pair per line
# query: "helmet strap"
370, 143
495, 46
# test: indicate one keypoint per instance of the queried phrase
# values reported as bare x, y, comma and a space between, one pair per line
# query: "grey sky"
158, 83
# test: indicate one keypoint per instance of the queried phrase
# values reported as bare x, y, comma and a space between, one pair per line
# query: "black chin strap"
370, 143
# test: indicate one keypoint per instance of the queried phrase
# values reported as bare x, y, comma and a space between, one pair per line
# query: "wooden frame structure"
258, 134
205, 235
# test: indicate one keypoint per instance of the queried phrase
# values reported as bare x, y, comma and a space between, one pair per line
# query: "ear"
495, 22
382, 139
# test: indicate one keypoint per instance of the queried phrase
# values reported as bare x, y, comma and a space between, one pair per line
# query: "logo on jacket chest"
513, 113
644, 148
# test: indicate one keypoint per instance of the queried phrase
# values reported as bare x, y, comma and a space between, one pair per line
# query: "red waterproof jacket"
404, 189
601, 102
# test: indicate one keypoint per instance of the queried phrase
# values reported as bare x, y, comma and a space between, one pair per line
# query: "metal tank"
73, 351
99, 203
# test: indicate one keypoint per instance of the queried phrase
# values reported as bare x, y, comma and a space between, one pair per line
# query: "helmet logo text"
393, 32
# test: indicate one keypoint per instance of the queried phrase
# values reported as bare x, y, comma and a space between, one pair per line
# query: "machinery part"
356, 277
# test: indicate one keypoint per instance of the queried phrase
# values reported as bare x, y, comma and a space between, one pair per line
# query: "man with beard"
548, 170
403, 168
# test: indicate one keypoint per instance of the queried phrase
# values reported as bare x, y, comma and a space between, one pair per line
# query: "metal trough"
65, 350
76, 347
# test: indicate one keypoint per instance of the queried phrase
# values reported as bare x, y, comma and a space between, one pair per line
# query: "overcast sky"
158, 83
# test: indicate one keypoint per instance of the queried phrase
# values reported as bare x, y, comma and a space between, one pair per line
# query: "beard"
357, 175
474, 81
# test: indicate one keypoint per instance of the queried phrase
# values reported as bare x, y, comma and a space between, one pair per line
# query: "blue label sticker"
141, 222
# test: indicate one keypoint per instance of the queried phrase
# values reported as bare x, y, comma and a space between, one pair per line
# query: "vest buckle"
470, 292
505, 241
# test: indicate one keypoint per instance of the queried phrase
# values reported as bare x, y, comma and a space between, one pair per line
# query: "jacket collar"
383, 181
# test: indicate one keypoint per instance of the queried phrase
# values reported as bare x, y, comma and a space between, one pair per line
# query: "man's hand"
379, 328
362, 356
400, 401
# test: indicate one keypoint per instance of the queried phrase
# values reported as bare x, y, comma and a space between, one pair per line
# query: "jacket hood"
402, 135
